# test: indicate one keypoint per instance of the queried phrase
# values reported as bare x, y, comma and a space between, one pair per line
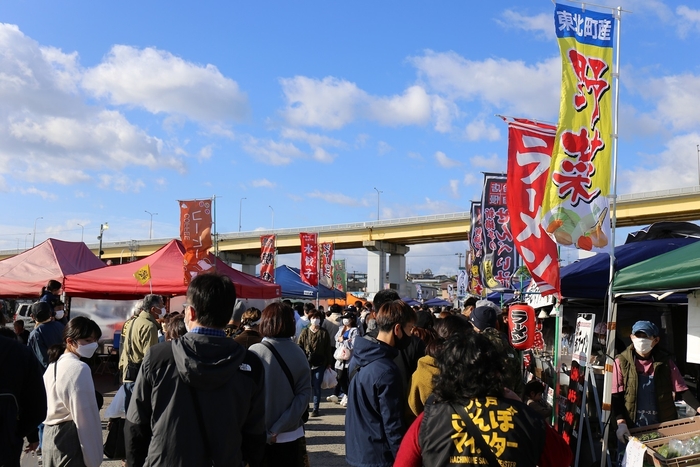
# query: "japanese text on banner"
575, 208
309, 258
340, 277
195, 233
475, 285
499, 262
326, 259
529, 155
267, 258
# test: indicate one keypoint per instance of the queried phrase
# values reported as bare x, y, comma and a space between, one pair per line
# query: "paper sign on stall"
634, 454
693, 353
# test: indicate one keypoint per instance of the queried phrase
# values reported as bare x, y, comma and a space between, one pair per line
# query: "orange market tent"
23, 275
167, 278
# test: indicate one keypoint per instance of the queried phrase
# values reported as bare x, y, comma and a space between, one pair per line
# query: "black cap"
483, 317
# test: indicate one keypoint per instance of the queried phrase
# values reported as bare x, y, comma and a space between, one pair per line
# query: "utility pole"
103, 227
378, 192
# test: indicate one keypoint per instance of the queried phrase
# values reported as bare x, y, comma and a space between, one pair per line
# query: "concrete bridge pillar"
248, 262
376, 266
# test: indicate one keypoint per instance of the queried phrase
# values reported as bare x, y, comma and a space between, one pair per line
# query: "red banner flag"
267, 258
195, 233
529, 155
309, 258
326, 260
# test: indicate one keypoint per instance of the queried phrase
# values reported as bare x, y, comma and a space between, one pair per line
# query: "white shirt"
70, 394
301, 324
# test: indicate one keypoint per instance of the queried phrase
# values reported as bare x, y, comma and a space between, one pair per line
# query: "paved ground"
325, 435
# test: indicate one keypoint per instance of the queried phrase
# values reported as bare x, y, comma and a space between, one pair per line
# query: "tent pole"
216, 235
612, 307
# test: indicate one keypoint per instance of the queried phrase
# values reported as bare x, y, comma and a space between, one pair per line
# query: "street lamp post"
82, 231
378, 192
698, 146
150, 230
240, 210
34, 235
26, 237
103, 227
273, 217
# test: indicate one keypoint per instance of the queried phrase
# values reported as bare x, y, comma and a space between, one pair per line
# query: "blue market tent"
437, 302
411, 302
588, 278
289, 279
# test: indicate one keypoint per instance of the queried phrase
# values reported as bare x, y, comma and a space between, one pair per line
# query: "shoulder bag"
285, 368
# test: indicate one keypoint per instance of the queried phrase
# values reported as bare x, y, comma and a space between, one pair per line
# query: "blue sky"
110, 109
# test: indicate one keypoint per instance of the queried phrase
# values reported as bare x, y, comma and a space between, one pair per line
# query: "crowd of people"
201, 388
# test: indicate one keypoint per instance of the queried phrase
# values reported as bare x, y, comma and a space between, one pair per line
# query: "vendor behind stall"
645, 380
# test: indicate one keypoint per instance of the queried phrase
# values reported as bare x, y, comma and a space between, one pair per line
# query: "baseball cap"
647, 327
483, 317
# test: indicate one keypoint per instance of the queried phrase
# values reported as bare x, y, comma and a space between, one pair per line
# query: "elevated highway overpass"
394, 236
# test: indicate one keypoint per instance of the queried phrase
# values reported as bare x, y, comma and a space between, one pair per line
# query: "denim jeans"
316, 380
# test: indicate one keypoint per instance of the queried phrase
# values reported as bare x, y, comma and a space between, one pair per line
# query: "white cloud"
415, 155
540, 24
445, 162
677, 100
676, 166
689, 20
478, 130
48, 133
332, 103
411, 108
312, 139
454, 188
496, 82
336, 198
322, 155
263, 183
272, 152
489, 164
121, 182
35, 191
470, 179
384, 148
205, 153
158, 81
444, 111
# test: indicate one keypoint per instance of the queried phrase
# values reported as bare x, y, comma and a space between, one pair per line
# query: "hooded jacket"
373, 426
162, 425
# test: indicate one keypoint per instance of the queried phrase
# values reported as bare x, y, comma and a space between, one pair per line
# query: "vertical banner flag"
576, 208
309, 258
475, 285
529, 155
143, 275
340, 275
267, 258
499, 263
195, 233
326, 266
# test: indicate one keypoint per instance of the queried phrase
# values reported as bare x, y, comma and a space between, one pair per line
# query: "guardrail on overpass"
680, 204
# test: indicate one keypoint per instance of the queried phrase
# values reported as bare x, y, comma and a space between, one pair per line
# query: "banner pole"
150, 284
612, 311
216, 235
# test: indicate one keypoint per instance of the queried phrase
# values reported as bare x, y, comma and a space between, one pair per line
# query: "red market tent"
167, 276
23, 275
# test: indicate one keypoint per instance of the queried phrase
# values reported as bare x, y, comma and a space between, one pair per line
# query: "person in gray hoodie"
287, 393
198, 400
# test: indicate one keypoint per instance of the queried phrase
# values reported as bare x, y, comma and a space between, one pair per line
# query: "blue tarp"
588, 278
411, 302
293, 287
437, 302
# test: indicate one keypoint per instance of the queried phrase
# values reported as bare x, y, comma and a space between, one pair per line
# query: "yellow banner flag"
143, 275
575, 206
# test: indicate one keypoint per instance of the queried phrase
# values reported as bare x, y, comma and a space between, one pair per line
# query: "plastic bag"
330, 379
116, 408
342, 353
29, 459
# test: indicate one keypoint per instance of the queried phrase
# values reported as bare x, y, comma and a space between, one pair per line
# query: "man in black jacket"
22, 400
199, 399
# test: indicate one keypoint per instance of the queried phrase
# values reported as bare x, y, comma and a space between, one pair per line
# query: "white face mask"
87, 350
601, 340
346, 322
59, 314
162, 313
642, 345
316, 322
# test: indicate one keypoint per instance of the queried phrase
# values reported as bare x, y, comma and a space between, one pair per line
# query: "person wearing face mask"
140, 335
376, 403
73, 429
644, 382
316, 344
345, 337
